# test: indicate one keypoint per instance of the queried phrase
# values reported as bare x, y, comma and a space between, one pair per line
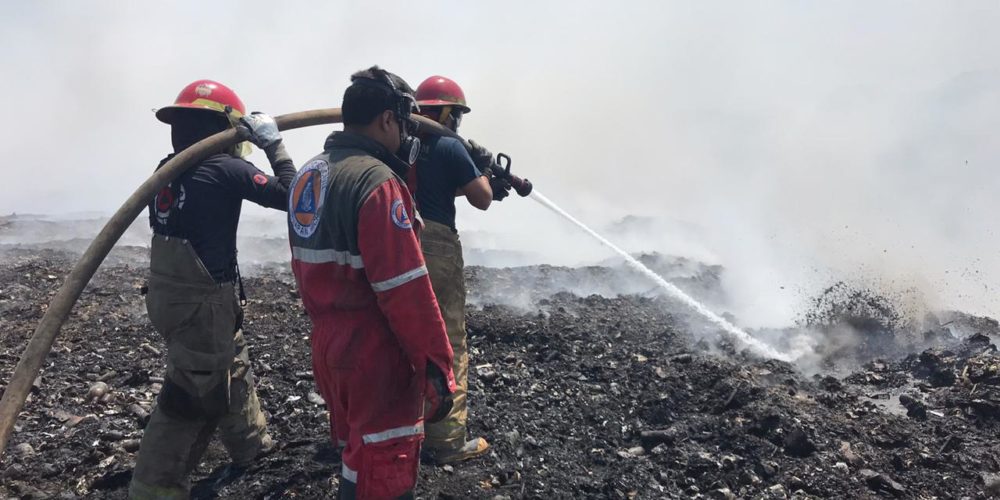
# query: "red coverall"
376, 323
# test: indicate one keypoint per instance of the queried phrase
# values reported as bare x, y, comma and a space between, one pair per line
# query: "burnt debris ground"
581, 397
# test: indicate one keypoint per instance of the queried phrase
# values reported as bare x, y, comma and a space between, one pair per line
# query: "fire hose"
40, 344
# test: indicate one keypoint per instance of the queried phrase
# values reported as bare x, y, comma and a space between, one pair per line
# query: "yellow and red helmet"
205, 95
440, 91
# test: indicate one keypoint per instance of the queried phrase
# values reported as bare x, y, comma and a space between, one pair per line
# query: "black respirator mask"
409, 145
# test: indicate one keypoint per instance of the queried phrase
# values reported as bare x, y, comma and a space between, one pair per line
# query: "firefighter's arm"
478, 192
395, 267
260, 129
269, 191
465, 171
281, 164
254, 185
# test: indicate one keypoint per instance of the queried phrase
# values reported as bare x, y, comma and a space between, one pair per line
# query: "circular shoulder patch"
399, 216
306, 196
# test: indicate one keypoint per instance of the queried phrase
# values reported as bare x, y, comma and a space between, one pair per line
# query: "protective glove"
260, 129
438, 398
500, 187
481, 157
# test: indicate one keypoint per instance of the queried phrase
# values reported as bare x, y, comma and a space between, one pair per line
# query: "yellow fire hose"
59, 308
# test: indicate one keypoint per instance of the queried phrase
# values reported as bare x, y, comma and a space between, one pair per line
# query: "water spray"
755, 345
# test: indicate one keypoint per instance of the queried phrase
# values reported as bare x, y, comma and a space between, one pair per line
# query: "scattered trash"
97, 391
882, 482
315, 398
24, 450
581, 396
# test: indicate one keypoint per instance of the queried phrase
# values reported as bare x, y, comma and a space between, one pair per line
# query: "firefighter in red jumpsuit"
381, 356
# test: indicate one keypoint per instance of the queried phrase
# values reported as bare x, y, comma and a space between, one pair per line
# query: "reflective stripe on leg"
398, 432
349, 474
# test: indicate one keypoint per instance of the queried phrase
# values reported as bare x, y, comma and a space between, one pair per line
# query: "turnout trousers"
443, 254
208, 385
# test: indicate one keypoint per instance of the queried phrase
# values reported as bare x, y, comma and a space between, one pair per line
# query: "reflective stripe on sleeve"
402, 279
326, 256
378, 437
349, 474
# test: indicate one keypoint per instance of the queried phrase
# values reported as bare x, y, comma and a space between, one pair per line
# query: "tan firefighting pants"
445, 265
208, 384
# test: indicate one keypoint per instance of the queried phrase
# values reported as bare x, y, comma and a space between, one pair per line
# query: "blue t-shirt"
443, 166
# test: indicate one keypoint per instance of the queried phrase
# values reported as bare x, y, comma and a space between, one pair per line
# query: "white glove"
260, 129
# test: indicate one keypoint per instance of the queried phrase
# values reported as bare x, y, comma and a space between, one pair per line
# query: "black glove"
481, 157
500, 187
260, 129
438, 398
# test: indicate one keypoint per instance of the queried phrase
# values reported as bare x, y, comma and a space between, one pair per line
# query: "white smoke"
794, 143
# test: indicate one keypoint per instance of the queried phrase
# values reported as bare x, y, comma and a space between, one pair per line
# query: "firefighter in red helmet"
444, 95
192, 296
444, 170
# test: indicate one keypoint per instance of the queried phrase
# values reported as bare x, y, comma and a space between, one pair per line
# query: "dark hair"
370, 94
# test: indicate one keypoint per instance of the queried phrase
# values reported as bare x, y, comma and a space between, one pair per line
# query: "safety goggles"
453, 112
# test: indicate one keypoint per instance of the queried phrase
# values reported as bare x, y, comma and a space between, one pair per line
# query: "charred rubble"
581, 397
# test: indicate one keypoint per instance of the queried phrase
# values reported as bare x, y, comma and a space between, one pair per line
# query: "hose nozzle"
501, 168
521, 186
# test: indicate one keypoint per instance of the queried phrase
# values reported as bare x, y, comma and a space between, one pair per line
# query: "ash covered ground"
618, 394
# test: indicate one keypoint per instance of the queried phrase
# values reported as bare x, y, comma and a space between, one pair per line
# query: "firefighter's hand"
437, 397
500, 187
481, 156
260, 129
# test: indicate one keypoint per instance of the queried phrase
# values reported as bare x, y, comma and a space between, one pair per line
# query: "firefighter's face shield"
447, 116
456, 117
451, 117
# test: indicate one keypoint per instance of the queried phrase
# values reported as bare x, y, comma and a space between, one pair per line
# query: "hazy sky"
804, 141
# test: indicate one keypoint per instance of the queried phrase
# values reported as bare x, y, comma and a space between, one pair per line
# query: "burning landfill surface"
615, 394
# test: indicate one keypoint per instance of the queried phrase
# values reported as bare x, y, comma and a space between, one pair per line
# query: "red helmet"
203, 94
441, 91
